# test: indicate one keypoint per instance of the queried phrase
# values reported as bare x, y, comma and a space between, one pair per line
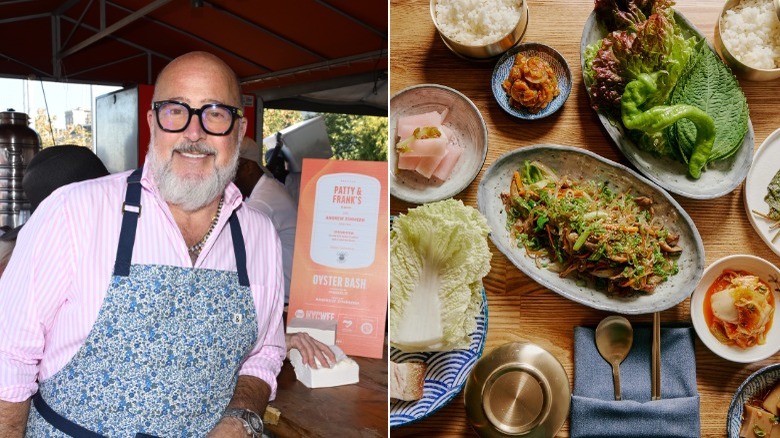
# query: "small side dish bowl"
740, 69
474, 50
767, 272
470, 134
559, 66
756, 385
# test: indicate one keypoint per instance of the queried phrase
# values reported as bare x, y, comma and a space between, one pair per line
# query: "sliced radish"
447, 164
407, 124
407, 162
427, 147
428, 165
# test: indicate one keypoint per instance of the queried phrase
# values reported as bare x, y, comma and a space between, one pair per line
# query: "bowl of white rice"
747, 35
480, 30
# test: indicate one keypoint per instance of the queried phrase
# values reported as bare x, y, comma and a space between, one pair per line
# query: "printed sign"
341, 246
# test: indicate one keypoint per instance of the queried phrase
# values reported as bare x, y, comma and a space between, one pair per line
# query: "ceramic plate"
756, 385
755, 265
719, 178
547, 53
576, 163
447, 372
465, 121
765, 166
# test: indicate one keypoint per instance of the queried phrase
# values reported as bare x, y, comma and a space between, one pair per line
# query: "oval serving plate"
719, 178
764, 168
445, 376
557, 63
757, 384
580, 163
465, 121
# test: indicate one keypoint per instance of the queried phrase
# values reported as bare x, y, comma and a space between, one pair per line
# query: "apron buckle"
131, 208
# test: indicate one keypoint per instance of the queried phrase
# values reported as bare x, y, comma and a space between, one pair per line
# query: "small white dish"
756, 266
464, 120
765, 166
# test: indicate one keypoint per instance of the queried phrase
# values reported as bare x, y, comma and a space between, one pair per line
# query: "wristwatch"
252, 422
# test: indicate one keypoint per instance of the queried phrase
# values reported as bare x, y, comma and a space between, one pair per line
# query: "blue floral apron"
162, 358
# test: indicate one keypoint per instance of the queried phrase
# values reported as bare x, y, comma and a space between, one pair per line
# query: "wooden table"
358, 410
519, 308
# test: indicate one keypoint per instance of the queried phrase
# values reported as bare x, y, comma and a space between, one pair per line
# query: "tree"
75, 134
275, 120
43, 128
357, 137
351, 137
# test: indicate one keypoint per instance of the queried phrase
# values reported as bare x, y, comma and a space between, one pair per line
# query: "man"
268, 195
148, 302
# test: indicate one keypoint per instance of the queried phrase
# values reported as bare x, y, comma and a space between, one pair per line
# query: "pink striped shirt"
60, 271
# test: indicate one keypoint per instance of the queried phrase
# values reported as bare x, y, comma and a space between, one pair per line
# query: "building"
79, 116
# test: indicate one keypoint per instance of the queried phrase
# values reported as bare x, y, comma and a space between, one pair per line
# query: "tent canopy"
314, 55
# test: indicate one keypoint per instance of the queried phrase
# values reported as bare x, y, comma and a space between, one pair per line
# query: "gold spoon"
614, 337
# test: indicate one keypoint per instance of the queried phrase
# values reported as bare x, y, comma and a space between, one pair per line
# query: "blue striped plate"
758, 383
446, 374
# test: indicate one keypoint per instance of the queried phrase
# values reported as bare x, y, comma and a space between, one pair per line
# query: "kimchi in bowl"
734, 308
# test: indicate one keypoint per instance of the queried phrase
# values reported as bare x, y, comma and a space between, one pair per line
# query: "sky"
27, 96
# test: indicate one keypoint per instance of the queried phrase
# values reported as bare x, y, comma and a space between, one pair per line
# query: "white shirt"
271, 197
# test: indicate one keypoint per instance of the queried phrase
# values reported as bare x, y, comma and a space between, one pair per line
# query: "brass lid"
517, 389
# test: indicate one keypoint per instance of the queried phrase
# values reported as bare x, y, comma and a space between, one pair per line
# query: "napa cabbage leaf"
438, 257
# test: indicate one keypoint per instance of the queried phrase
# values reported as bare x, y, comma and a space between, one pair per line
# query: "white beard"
190, 193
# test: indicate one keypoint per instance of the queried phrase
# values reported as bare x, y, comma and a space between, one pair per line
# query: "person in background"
148, 302
269, 196
265, 193
48, 170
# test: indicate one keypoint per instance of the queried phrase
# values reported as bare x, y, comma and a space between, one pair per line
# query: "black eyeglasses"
215, 118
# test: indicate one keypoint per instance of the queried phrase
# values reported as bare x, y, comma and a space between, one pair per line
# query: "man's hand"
310, 348
13, 418
250, 393
228, 427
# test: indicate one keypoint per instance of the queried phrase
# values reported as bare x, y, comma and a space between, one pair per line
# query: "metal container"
741, 70
18, 144
518, 389
485, 52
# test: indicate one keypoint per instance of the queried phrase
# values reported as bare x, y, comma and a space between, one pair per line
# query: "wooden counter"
358, 410
519, 308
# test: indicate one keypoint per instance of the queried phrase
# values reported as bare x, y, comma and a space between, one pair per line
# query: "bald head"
199, 66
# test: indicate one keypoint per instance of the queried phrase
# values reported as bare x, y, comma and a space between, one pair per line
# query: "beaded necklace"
195, 249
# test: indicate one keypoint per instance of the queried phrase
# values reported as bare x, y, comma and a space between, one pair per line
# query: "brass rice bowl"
484, 52
742, 71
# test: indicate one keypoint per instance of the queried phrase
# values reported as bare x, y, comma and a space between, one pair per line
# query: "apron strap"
66, 426
131, 210
239, 249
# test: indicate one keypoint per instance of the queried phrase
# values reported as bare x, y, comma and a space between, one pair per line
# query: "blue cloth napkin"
596, 414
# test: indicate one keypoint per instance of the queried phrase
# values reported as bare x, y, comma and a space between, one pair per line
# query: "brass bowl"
517, 389
742, 71
485, 52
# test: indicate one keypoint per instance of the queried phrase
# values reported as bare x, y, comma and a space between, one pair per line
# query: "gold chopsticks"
656, 364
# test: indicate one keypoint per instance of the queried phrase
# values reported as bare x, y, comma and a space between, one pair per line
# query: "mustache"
194, 148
